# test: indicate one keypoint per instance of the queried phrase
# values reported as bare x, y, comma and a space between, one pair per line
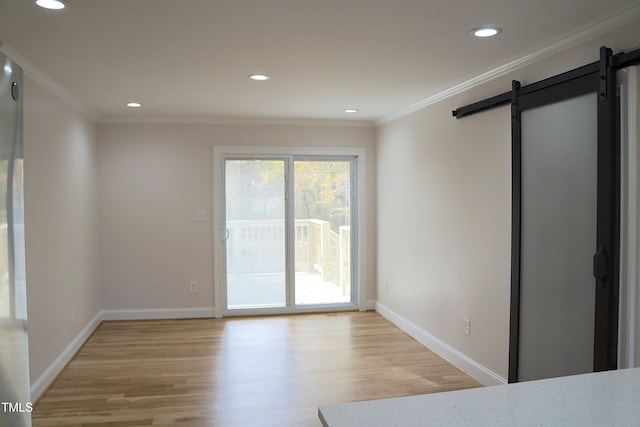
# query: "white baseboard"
158, 313
453, 356
49, 375
450, 354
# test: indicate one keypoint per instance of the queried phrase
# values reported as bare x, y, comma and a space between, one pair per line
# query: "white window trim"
629, 301
219, 153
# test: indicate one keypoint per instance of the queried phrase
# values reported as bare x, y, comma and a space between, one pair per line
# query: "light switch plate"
201, 215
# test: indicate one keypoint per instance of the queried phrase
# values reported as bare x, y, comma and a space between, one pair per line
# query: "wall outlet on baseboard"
193, 286
467, 326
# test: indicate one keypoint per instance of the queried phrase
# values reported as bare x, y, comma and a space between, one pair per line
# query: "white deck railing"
257, 246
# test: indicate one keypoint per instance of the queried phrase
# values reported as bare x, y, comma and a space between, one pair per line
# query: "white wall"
444, 207
629, 326
152, 177
60, 225
636, 315
444, 213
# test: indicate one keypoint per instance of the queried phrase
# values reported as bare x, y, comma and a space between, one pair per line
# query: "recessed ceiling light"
484, 32
51, 4
350, 110
134, 104
259, 77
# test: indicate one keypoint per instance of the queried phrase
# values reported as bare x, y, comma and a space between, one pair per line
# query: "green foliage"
322, 190
254, 189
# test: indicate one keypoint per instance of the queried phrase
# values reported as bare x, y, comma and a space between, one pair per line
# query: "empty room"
296, 213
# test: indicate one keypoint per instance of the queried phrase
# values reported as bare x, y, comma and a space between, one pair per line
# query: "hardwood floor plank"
261, 371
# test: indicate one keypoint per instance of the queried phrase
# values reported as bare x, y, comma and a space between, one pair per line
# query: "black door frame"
605, 262
597, 77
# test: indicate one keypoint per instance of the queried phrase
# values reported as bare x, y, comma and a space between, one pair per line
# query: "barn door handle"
600, 264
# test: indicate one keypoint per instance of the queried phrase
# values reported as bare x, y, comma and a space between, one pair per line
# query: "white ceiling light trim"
590, 32
134, 104
350, 110
51, 4
486, 32
260, 77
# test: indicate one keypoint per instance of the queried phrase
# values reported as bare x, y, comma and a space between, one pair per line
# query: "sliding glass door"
255, 214
559, 222
322, 231
288, 233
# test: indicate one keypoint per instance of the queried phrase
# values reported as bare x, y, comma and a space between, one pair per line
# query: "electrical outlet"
71, 314
386, 287
193, 286
467, 327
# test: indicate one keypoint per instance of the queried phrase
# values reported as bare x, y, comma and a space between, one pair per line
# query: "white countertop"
609, 398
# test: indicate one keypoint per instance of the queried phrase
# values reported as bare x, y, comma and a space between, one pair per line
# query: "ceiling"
190, 59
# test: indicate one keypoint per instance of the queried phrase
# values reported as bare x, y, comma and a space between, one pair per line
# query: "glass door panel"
255, 221
322, 211
559, 205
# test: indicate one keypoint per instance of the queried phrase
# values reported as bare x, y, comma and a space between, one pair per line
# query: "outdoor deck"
256, 263
269, 290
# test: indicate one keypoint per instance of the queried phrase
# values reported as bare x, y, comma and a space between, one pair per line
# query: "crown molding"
599, 28
56, 89
612, 23
233, 121
47, 82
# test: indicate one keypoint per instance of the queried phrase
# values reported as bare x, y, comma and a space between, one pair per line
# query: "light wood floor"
269, 371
